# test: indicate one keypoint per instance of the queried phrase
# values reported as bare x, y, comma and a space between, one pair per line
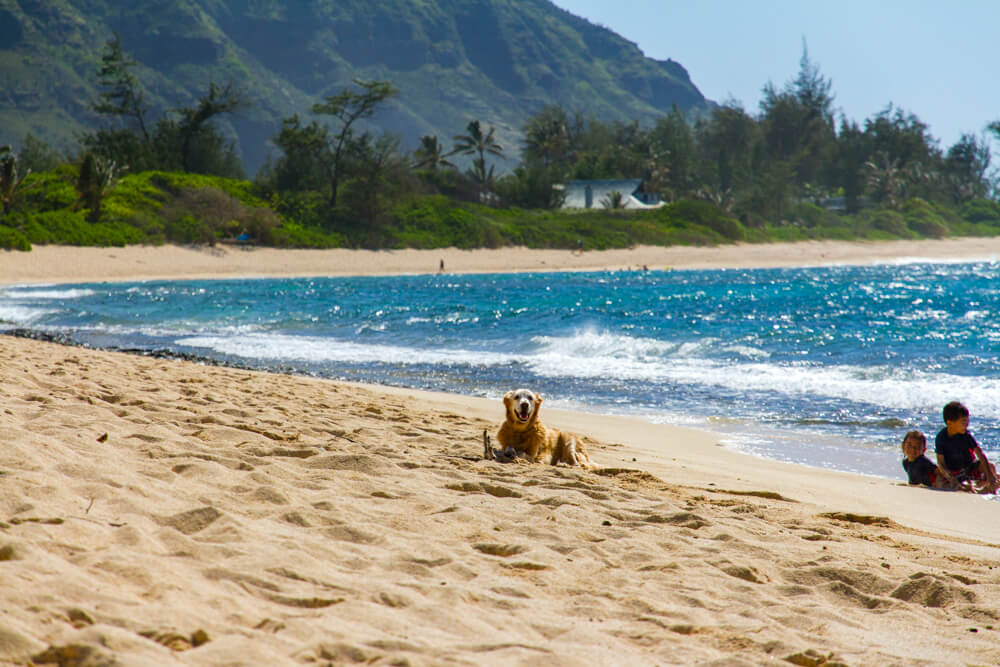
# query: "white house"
593, 194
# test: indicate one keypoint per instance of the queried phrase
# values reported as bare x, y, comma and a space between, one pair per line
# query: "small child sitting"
960, 459
920, 469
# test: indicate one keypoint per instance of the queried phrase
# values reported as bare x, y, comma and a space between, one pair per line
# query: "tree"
477, 143
547, 137
192, 127
97, 178
375, 169
965, 168
189, 143
122, 94
900, 136
613, 200
10, 179
431, 154
305, 164
853, 152
532, 185
994, 127
36, 155
886, 180
127, 139
903, 150
348, 107
726, 140
673, 141
797, 122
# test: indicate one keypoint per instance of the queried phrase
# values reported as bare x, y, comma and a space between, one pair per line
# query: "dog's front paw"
507, 455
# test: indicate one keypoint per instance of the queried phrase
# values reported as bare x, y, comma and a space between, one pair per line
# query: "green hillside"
453, 60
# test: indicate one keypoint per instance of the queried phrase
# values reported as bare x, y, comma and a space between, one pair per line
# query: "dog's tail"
578, 455
487, 446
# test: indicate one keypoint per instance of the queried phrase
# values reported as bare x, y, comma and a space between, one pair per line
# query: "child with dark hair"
920, 469
959, 456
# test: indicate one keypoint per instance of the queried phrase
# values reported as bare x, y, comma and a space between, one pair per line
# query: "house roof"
576, 192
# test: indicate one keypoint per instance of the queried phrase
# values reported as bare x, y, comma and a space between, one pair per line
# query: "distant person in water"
920, 469
959, 457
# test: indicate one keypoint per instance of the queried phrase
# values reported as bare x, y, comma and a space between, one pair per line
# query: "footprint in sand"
192, 521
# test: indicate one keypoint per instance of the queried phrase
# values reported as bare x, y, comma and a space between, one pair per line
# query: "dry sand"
157, 512
69, 264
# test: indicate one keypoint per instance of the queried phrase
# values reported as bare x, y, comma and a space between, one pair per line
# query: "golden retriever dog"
524, 436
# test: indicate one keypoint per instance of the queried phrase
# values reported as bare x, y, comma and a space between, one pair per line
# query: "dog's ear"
508, 397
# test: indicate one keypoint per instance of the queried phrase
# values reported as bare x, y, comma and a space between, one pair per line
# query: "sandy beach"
159, 512
70, 264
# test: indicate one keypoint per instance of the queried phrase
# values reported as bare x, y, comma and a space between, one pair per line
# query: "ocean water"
827, 367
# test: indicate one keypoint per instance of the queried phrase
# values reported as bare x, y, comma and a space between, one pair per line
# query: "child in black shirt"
920, 469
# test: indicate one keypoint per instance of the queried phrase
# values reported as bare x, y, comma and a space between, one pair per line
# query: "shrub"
11, 239
50, 190
294, 235
202, 215
890, 221
306, 208
706, 214
981, 211
260, 224
174, 182
435, 222
134, 195
185, 228
71, 228
923, 219
812, 215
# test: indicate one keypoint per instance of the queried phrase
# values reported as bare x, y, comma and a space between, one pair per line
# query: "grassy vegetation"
158, 207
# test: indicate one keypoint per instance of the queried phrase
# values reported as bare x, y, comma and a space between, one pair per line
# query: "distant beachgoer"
579, 246
920, 469
959, 457
441, 268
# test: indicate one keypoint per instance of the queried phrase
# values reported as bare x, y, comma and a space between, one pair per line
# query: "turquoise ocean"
827, 366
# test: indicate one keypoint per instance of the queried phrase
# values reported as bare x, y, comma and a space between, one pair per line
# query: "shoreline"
67, 264
593, 411
62, 264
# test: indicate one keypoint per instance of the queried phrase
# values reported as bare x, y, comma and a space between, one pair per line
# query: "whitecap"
49, 294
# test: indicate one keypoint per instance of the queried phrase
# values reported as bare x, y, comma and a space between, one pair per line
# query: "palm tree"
10, 181
431, 154
547, 136
886, 180
613, 200
97, 178
477, 143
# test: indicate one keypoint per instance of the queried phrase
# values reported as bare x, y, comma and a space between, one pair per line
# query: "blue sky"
938, 60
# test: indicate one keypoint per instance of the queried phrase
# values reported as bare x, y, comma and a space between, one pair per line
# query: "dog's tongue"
524, 413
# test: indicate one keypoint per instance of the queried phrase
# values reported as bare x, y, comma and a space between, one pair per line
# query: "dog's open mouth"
523, 412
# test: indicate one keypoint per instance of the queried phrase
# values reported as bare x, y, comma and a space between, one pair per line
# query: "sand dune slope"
161, 512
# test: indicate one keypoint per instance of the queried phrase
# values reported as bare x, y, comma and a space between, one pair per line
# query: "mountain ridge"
499, 61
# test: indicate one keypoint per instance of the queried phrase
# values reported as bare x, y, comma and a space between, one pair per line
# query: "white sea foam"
319, 350
48, 294
21, 316
602, 355
595, 355
906, 261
